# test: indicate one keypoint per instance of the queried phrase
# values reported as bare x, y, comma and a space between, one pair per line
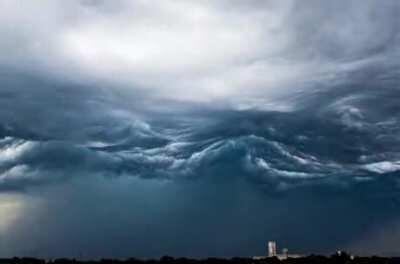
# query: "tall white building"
271, 249
272, 252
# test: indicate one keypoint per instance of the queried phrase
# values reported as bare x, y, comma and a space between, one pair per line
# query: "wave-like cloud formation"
338, 139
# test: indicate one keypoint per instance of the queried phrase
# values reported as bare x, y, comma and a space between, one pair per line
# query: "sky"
199, 128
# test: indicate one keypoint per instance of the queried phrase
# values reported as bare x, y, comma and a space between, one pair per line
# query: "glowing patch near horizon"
11, 208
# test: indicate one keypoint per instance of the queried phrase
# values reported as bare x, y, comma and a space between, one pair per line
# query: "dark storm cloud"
126, 133
342, 139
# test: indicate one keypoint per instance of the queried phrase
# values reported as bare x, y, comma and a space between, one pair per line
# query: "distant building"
271, 249
272, 252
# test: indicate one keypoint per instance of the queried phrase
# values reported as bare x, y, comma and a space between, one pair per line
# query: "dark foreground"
169, 260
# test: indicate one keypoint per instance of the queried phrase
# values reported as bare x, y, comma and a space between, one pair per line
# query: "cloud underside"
219, 124
339, 139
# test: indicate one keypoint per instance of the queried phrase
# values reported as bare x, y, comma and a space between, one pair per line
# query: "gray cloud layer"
243, 55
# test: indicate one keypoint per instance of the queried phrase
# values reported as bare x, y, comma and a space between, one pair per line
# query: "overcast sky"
199, 128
